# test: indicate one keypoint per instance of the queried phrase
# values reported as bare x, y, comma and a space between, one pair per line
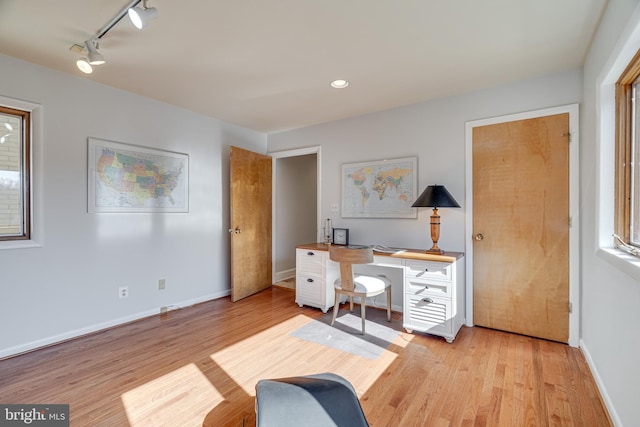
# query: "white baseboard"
284, 275
76, 333
603, 391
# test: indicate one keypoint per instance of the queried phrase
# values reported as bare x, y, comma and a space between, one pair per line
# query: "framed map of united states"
130, 178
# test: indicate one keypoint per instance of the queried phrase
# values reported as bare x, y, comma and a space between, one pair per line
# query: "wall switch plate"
123, 292
334, 207
162, 284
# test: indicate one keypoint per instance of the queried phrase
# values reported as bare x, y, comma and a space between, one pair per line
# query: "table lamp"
435, 196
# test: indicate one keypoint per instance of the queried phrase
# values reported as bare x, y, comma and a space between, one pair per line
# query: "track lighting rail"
114, 21
139, 17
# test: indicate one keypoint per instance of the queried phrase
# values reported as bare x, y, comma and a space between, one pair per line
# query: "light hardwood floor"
199, 366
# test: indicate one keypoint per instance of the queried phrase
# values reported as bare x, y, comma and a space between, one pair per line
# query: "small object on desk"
327, 231
341, 236
387, 250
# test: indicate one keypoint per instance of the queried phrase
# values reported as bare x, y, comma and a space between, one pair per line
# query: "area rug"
345, 334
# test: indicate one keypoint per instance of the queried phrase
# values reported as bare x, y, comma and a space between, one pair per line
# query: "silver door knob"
479, 237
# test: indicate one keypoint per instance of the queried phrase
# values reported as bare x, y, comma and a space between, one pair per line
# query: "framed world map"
380, 189
130, 178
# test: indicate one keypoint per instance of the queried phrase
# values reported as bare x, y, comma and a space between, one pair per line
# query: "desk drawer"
387, 261
421, 287
427, 314
428, 270
309, 287
311, 262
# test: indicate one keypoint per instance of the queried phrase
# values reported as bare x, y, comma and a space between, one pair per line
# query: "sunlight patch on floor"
260, 356
159, 402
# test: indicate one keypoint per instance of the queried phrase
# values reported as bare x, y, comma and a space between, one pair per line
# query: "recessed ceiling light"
339, 84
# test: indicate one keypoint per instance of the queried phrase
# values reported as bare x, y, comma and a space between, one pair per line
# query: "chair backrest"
347, 256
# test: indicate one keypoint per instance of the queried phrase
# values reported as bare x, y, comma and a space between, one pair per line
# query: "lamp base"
434, 251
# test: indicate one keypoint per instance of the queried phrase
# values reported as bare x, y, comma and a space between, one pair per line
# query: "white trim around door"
294, 153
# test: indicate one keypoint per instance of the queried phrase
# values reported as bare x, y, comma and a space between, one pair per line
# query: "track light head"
94, 57
84, 65
140, 17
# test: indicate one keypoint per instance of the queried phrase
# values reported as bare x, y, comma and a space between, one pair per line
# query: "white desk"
431, 298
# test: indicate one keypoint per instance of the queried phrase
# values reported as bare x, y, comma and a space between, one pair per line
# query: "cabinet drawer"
421, 287
428, 314
428, 270
309, 287
310, 262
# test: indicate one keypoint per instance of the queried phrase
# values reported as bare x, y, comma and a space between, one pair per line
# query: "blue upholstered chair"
320, 400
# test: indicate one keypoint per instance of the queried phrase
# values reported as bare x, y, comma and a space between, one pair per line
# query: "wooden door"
521, 227
250, 228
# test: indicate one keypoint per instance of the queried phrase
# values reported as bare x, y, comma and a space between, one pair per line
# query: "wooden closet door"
521, 227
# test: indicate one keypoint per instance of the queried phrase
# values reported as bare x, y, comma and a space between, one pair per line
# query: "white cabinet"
434, 297
314, 278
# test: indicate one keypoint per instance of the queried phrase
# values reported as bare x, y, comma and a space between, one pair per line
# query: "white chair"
358, 285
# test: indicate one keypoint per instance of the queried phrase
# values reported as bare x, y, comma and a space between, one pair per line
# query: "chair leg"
362, 311
389, 304
350, 302
336, 307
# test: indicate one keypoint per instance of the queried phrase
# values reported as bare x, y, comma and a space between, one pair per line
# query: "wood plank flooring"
199, 366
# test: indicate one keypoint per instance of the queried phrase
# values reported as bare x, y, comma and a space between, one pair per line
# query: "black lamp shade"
435, 196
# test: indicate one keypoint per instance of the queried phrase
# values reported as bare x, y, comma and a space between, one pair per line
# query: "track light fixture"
93, 57
84, 66
140, 17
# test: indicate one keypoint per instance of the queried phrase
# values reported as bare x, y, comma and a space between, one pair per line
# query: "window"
15, 163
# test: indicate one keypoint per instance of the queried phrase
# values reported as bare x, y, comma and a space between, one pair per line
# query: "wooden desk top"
419, 254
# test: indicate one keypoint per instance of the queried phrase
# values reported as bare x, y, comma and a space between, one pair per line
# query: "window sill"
19, 244
622, 260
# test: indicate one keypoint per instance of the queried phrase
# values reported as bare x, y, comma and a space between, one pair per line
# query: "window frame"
25, 172
624, 153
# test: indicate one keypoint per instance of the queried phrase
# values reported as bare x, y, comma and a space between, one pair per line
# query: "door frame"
274, 170
574, 207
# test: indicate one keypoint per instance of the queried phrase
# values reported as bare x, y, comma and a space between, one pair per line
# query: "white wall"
435, 132
68, 286
610, 297
296, 208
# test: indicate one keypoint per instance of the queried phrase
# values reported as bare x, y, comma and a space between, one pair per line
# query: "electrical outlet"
164, 309
123, 292
162, 284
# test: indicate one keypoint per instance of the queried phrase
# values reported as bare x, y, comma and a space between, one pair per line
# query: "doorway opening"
296, 207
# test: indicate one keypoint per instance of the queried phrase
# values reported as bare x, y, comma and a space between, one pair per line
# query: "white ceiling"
267, 64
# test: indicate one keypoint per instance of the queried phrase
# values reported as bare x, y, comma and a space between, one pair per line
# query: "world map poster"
380, 189
129, 178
